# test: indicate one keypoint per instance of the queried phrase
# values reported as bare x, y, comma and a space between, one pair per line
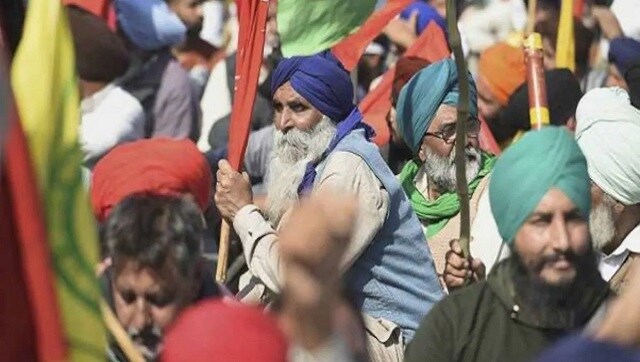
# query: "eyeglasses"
448, 131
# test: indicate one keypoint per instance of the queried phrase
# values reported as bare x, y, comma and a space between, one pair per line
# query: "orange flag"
351, 48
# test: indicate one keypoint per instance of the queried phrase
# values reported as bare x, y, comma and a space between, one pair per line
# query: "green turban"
420, 99
524, 173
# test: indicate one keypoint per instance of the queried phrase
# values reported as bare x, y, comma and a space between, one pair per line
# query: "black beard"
545, 298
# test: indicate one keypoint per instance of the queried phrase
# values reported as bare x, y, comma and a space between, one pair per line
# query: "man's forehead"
553, 201
444, 115
286, 93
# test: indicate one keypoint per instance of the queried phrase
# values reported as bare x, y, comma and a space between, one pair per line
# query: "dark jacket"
483, 322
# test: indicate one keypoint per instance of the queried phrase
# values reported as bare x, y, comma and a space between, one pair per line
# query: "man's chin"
149, 353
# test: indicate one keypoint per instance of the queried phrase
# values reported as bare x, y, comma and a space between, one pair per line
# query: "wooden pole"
538, 109
461, 127
223, 253
119, 334
531, 17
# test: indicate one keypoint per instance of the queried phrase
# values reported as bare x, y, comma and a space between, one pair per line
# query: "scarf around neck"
439, 211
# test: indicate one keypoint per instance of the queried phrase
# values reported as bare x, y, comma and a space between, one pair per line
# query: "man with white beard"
426, 116
321, 144
608, 132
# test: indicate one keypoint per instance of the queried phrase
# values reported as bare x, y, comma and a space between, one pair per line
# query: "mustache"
569, 256
148, 336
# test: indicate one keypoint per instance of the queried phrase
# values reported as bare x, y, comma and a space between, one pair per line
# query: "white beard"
291, 153
442, 170
602, 223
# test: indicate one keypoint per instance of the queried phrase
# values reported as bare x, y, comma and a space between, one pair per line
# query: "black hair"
154, 230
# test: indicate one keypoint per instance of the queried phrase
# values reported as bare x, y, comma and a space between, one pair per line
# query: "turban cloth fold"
217, 331
406, 67
563, 95
624, 53
503, 69
157, 166
608, 132
426, 13
527, 170
321, 80
420, 98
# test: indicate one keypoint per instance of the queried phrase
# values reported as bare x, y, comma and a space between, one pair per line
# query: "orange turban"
503, 68
160, 166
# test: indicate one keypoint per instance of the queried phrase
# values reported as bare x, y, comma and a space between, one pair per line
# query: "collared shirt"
344, 172
609, 264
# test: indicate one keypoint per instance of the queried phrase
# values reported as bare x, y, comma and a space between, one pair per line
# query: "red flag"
487, 141
432, 46
31, 328
252, 16
350, 49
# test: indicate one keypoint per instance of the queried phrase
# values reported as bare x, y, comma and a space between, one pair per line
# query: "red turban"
158, 166
406, 67
503, 68
216, 331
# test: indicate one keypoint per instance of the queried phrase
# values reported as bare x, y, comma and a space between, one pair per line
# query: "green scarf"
438, 212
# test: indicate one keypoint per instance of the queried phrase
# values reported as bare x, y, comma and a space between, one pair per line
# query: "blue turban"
150, 24
321, 80
426, 13
420, 98
526, 171
624, 52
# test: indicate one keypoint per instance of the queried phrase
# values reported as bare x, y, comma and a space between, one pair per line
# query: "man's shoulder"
462, 299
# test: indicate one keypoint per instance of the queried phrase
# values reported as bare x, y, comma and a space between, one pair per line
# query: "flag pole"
252, 17
461, 127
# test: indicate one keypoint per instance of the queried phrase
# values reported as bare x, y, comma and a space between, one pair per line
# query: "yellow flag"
565, 46
46, 92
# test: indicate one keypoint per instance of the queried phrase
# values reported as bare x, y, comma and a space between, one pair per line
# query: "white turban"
608, 132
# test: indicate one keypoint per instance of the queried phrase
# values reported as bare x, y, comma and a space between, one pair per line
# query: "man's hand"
608, 22
402, 32
233, 191
458, 269
312, 244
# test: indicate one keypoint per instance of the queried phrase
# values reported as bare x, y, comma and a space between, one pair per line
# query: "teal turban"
524, 173
420, 98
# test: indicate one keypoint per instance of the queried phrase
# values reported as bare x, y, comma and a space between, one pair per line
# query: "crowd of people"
344, 250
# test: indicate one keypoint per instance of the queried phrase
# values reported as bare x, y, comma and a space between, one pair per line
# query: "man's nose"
560, 234
285, 121
142, 316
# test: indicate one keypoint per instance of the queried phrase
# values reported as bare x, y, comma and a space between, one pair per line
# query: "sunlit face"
615, 79
189, 11
291, 110
488, 105
551, 238
147, 302
444, 119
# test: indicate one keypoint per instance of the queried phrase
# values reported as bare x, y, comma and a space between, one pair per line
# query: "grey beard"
441, 171
602, 224
292, 151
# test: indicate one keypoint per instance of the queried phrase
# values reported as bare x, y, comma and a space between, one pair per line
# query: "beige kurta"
486, 241
344, 172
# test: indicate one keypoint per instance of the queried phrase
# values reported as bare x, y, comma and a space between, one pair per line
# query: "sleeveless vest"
395, 277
